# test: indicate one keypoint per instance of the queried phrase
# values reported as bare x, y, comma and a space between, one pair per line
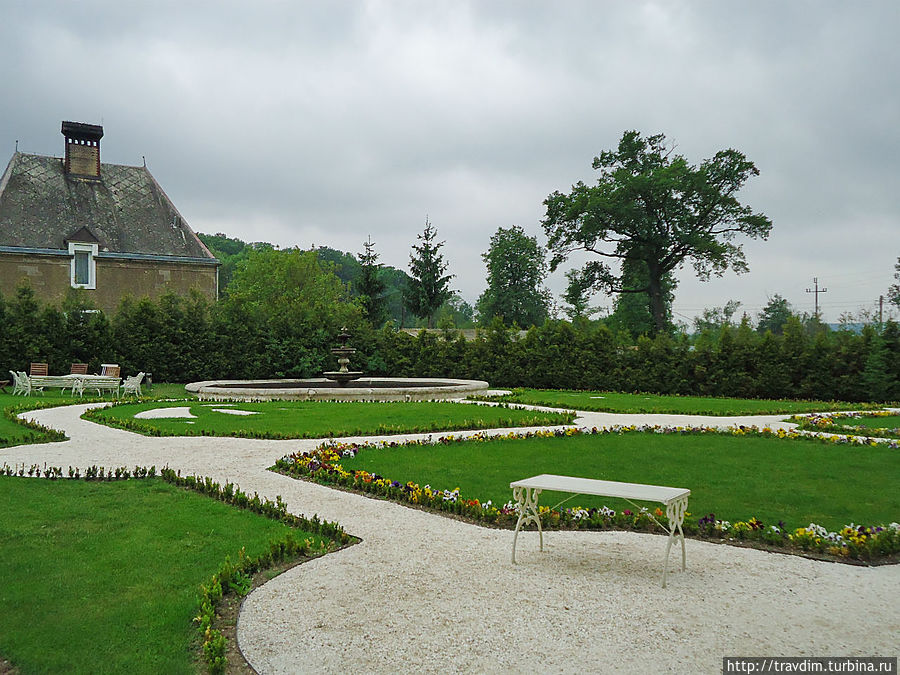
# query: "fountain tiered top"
343, 375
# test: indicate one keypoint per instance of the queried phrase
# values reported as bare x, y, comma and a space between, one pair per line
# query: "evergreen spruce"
429, 287
371, 287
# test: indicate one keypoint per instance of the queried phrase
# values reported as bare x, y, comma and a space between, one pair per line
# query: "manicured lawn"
886, 422
605, 401
795, 481
104, 577
320, 419
12, 433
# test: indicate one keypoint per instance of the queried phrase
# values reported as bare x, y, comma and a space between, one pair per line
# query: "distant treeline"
187, 339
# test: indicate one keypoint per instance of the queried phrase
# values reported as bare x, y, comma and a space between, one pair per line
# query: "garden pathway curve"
427, 593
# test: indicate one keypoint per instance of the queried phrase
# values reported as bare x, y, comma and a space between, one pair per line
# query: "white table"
527, 491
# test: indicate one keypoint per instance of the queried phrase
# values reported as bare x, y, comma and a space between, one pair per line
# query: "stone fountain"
343, 375
339, 385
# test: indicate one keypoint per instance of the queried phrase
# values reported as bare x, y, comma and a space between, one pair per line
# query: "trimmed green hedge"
188, 339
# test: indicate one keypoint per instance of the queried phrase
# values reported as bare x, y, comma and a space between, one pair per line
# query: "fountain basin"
320, 389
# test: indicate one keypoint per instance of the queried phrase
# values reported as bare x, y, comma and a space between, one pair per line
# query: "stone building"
74, 222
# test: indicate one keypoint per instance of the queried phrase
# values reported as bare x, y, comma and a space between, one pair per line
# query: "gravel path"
426, 593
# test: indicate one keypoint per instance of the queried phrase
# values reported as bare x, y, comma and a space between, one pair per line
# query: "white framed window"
83, 268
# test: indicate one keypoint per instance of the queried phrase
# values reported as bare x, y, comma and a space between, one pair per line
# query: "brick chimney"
82, 149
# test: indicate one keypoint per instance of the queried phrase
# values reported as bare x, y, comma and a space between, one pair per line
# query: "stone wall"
49, 276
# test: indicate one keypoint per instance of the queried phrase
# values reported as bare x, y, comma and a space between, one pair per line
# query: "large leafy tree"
429, 287
516, 268
774, 315
370, 286
651, 206
292, 290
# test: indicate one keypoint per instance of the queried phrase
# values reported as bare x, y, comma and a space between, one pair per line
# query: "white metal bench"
41, 382
99, 383
526, 493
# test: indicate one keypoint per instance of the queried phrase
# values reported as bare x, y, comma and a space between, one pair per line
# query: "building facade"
74, 222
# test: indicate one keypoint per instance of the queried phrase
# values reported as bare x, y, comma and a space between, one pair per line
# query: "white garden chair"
21, 383
26, 384
132, 385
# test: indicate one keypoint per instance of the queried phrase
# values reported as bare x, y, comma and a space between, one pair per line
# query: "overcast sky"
321, 123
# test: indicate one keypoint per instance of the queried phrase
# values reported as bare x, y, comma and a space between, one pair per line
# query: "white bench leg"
526, 505
675, 513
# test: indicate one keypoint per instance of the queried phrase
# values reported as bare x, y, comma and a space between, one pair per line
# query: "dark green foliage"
88, 335
371, 287
27, 340
345, 266
876, 380
713, 318
181, 339
891, 337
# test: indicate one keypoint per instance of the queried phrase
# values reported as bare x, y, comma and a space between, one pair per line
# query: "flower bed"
829, 423
870, 543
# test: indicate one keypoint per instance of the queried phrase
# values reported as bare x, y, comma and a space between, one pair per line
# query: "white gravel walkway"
425, 593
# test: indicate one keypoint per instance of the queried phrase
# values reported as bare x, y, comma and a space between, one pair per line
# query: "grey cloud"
322, 122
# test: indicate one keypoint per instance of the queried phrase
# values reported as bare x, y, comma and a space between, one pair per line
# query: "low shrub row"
37, 433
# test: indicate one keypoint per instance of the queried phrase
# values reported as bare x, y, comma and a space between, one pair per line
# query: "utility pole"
816, 290
880, 309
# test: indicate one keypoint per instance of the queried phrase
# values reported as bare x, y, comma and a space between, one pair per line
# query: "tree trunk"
657, 303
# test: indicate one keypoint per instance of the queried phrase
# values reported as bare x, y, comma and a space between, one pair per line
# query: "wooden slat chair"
79, 369
38, 369
110, 369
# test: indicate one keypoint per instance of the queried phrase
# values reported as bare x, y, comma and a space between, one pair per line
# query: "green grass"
797, 481
881, 426
104, 577
885, 422
320, 419
13, 433
605, 401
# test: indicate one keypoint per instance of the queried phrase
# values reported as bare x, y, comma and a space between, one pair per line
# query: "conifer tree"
429, 287
370, 286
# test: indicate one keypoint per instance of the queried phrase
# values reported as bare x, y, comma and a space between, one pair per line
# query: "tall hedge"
181, 339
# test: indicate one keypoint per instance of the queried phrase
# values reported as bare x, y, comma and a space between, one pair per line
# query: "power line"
816, 290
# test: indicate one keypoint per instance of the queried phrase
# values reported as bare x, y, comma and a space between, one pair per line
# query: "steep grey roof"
125, 209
